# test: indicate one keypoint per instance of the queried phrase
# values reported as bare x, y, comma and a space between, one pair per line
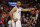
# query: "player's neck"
17, 6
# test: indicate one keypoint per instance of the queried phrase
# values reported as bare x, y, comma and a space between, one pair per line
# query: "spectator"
24, 23
38, 20
1, 22
10, 23
37, 13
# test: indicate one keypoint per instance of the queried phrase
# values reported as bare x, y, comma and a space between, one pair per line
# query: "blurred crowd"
28, 19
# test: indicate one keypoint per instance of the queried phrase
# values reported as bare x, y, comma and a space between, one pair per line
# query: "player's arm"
11, 12
27, 9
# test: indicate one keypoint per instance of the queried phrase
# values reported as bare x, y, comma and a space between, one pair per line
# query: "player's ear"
16, 3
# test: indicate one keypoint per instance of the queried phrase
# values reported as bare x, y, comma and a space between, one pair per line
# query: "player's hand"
15, 19
32, 9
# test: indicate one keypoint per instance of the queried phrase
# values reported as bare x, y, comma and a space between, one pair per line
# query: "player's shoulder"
21, 8
14, 8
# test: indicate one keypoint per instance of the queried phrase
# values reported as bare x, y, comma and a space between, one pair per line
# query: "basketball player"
15, 14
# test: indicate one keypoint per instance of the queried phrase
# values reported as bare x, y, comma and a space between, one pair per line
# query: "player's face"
18, 3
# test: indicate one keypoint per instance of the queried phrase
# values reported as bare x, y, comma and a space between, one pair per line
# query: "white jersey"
17, 14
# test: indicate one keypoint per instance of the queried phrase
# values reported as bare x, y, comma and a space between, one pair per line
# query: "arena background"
28, 19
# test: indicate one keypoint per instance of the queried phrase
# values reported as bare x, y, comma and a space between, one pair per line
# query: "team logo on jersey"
19, 11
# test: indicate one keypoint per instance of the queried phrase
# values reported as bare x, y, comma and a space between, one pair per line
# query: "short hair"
18, 1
